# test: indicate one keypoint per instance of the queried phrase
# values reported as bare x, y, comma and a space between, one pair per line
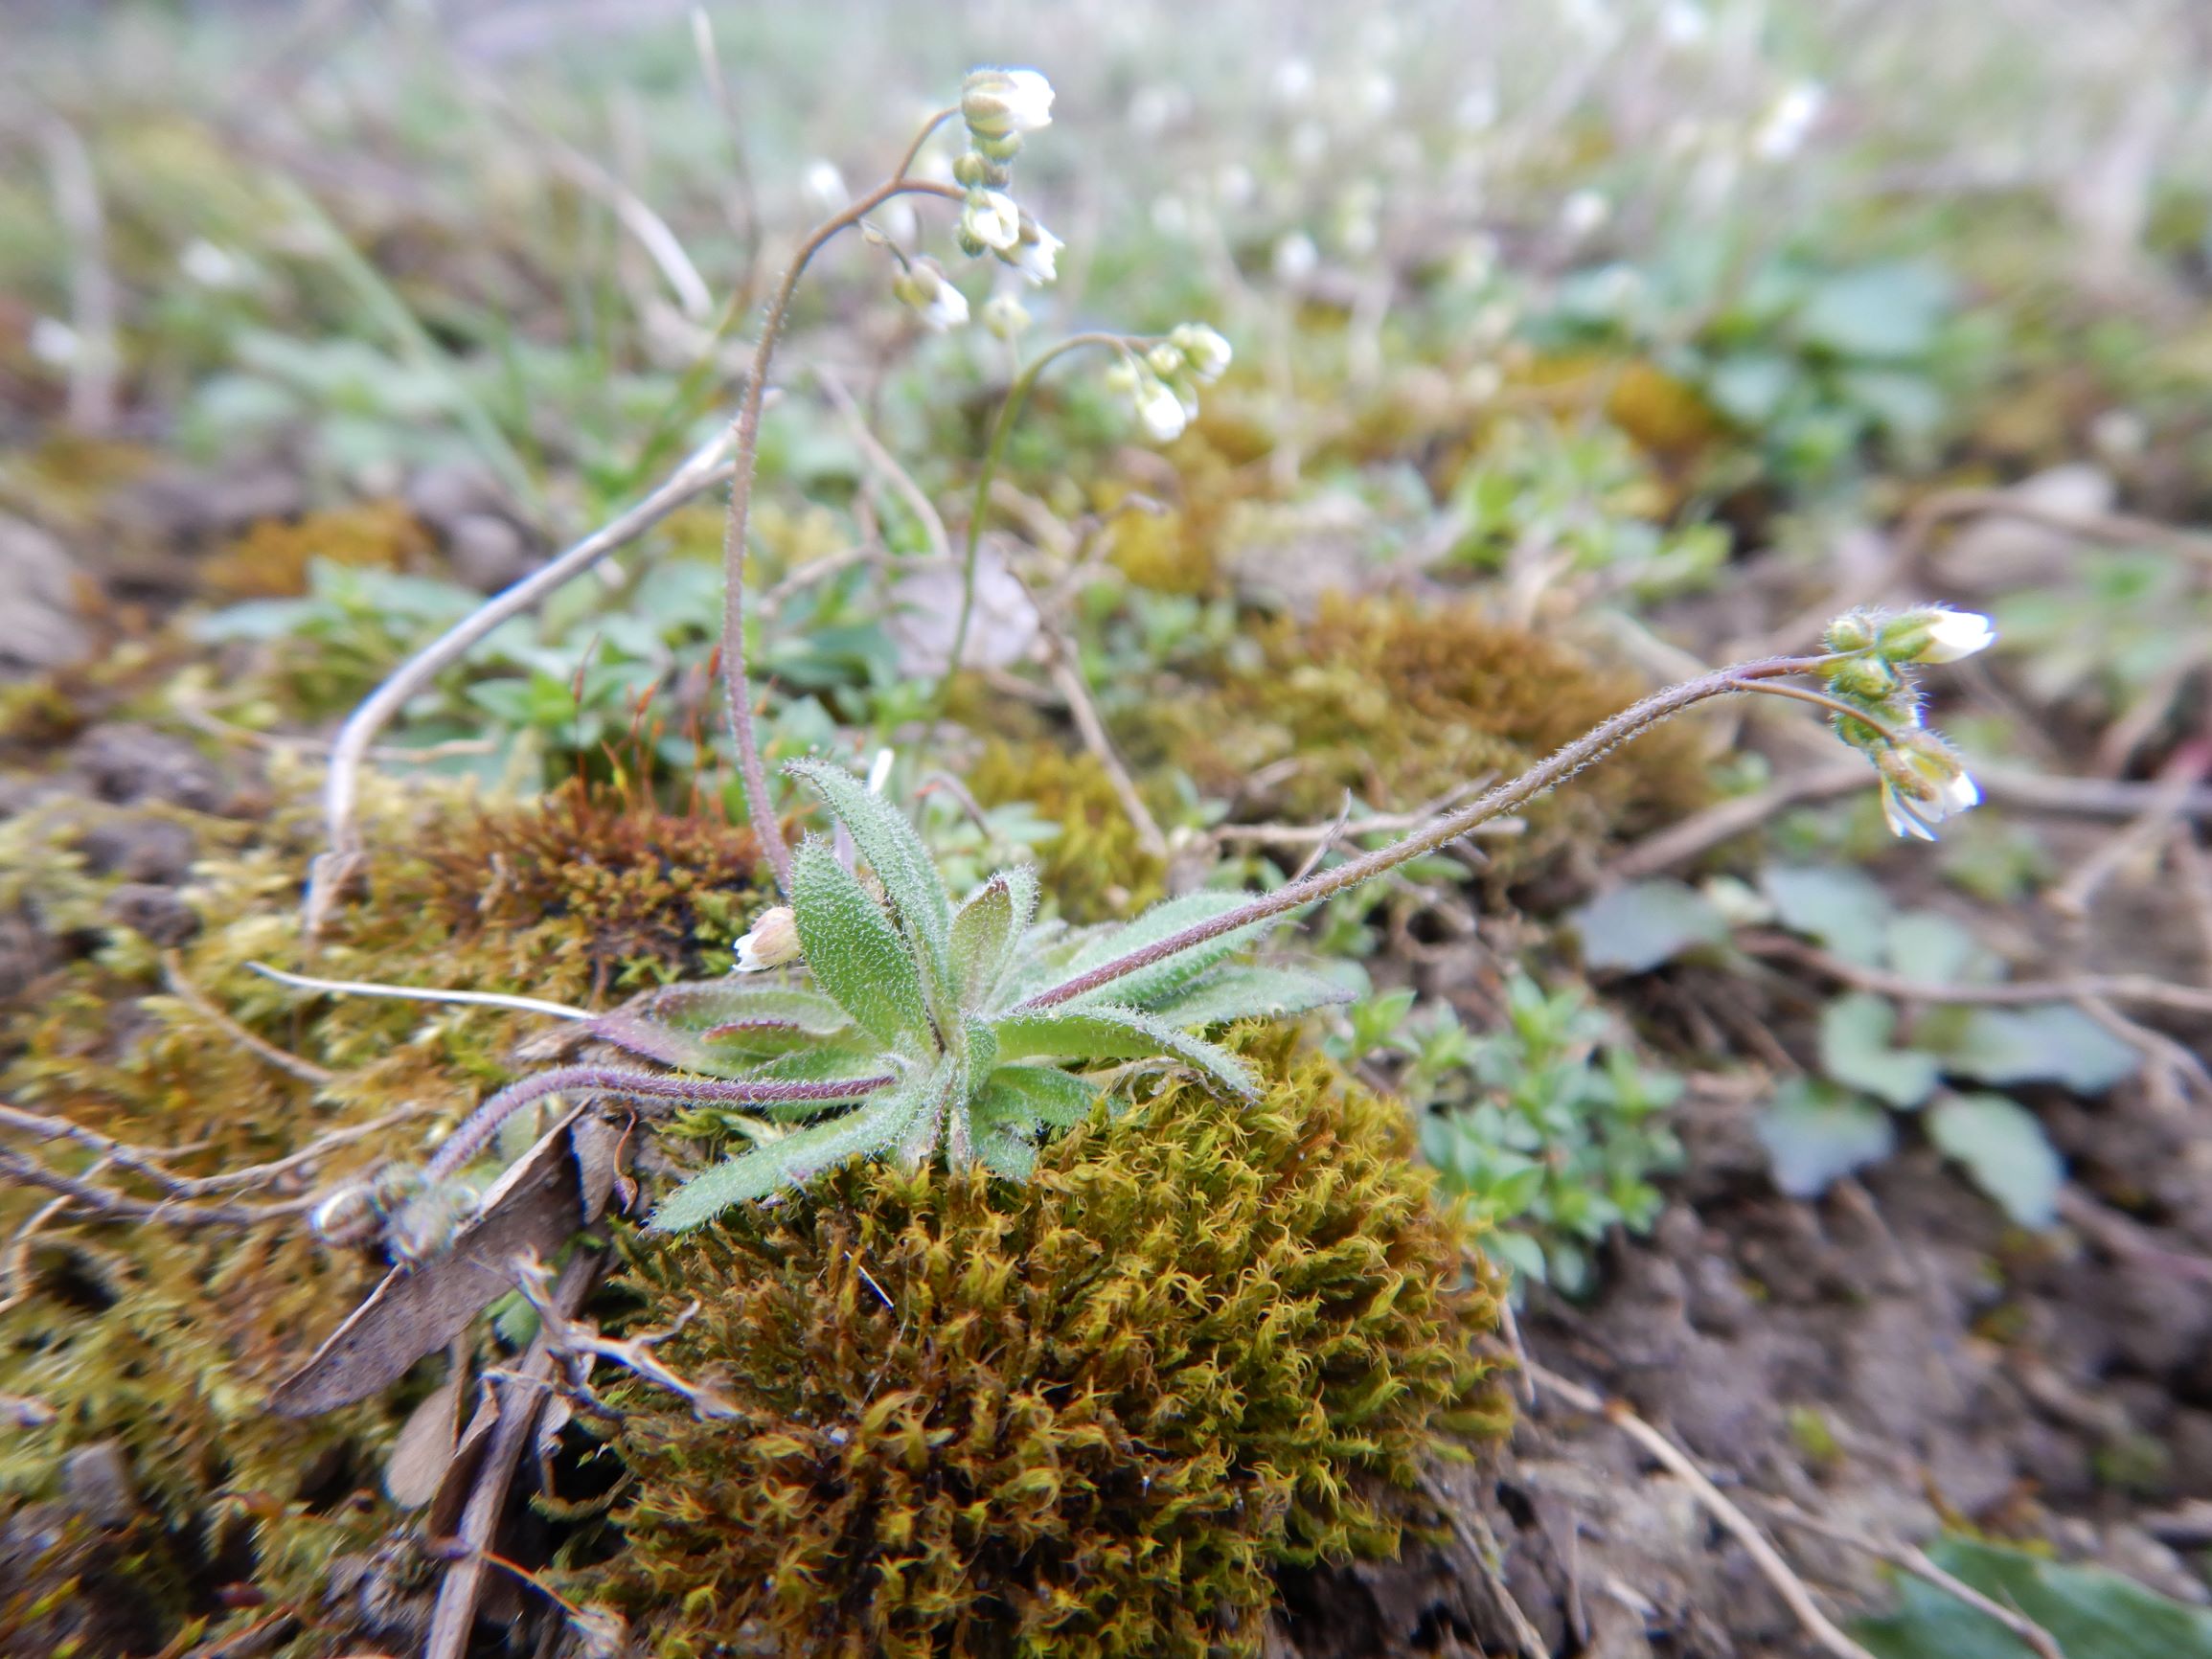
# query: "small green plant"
1551, 1131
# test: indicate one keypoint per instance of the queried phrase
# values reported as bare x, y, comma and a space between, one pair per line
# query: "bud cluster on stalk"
1161, 379
1000, 106
1923, 779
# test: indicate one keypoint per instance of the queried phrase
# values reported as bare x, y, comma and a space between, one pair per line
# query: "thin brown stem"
1546, 774
745, 440
2135, 987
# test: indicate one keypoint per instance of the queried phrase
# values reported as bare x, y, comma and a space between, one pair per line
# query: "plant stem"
1009, 412
1836, 706
745, 439
1545, 774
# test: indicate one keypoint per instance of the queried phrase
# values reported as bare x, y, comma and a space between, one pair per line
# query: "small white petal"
1162, 411
1957, 633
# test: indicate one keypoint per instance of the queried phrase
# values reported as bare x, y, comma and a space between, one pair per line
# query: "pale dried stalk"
1776, 1570
338, 864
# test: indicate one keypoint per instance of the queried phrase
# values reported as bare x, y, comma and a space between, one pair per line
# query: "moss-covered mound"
1081, 1417
151, 1347
1094, 867
1398, 702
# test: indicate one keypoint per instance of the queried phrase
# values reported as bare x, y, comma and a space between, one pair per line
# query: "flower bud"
924, 286
1852, 631
1204, 351
1867, 679
991, 218
996, 102
1164, 360
1935, 634
975, 171
772, 941
1003, 316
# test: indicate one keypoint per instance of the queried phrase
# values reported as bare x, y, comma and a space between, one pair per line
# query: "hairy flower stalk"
746, 443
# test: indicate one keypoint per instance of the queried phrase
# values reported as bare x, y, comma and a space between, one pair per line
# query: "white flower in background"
1784, 131
772, 941
1295, 258
1004, 316
825, 187
1294, 80
1034, 252
991, 218
1162, 411
1583, 212
1003, 102
1205, 353
1684, 23
924, 286
211, 266
1936, 634
1923, 783
54, 342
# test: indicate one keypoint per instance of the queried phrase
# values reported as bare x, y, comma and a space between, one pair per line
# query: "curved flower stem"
1547, 773
1835, 706
1009, 412
745, 440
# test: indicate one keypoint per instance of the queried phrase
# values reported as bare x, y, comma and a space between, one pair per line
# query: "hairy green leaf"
987, 930
1041, 1094
1094, 1032
855, 953
881, 1122
1233, 992
902, 863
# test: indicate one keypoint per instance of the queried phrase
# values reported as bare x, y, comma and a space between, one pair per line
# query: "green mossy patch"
1082, 1417
166, 1340
1399, 701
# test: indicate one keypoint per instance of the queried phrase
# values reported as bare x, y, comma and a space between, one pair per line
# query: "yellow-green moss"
1094, 866
270, 560
1398, 702
1081, 1417
165, 1339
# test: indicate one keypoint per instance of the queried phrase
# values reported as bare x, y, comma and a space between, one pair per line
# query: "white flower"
209, 265
1160, 411
54, 342
1204, 351
1957, 633
1935, 633
1583, 212
772, 941
997, 101
924, 286
1922, 785
825, 187
1295, 256
1783, 133
1034, 252
991, 218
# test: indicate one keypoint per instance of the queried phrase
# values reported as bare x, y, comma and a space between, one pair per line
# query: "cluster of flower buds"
1162, 379
1000, 106
1923, 779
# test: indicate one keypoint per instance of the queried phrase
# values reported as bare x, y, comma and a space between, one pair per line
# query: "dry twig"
1776, 1570
1913, 1560
2135, 987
